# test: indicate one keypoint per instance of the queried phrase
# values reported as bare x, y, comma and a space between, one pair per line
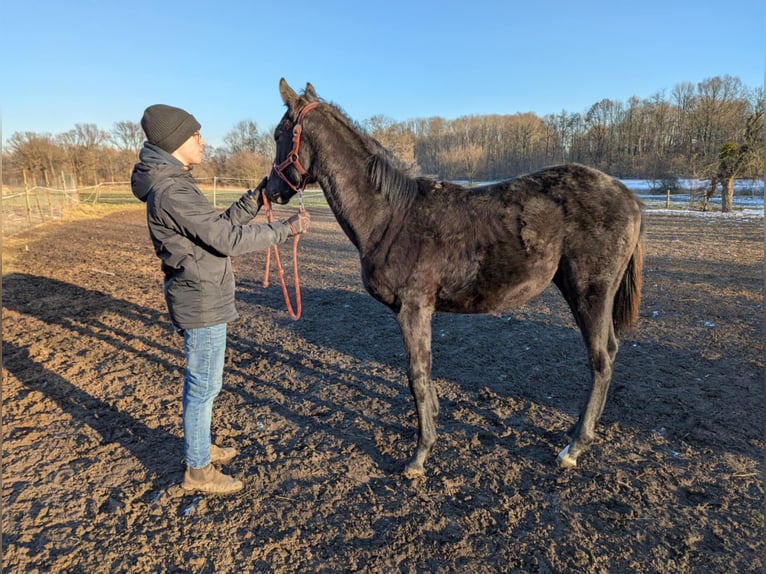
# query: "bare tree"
599, 123
127, 136
82, 146
249, 151
35, 155
247, 166
244, 137
738, 159
463, 160
565, 124
720, 109
396, 137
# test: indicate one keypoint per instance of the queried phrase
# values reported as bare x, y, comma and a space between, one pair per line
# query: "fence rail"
25, 209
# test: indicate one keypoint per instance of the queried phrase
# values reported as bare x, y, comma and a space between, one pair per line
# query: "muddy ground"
321, 412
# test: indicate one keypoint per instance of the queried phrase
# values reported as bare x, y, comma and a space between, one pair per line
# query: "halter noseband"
292, 157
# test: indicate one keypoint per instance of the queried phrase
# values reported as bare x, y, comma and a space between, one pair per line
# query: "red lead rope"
295, 315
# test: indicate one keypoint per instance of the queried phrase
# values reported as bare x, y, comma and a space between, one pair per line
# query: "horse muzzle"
277, 191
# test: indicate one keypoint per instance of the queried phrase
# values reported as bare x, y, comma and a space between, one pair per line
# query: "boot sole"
200, 488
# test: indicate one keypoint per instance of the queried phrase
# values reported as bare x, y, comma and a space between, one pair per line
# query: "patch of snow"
741, 213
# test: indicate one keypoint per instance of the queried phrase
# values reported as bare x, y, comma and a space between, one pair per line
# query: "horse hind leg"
602, 344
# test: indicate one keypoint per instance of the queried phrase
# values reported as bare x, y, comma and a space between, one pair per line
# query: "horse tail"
627, 301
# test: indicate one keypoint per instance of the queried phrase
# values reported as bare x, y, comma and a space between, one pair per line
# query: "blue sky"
67, 62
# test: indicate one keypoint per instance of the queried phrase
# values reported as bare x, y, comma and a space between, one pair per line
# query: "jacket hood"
154, 165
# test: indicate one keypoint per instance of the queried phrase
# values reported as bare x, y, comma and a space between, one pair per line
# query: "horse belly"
500, 286
518, 292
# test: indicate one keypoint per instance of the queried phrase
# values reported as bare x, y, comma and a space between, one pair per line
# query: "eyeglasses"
197, 136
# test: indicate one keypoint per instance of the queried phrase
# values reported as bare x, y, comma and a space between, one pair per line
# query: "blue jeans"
205, 350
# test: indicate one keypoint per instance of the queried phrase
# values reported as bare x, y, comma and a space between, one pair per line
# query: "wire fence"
28, 208
35, 206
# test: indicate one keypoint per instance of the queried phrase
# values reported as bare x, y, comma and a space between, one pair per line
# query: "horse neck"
342, 157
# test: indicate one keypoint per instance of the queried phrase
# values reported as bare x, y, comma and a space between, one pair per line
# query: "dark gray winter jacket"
194, 241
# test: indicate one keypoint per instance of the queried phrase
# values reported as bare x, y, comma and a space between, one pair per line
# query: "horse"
430, 246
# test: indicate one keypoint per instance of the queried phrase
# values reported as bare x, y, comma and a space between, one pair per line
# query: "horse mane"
399, 188
386, 171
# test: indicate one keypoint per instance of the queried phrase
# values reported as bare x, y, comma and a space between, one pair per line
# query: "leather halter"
292, 157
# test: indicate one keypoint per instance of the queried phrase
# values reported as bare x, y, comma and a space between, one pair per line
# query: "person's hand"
299, 223
257, 194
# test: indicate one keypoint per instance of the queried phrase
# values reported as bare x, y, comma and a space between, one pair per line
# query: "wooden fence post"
26, 197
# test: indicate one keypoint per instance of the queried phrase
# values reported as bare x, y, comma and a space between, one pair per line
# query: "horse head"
291, 171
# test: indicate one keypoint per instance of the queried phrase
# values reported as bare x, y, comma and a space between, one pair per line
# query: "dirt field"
322, 414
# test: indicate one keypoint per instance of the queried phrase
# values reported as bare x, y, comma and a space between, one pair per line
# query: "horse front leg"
415, 324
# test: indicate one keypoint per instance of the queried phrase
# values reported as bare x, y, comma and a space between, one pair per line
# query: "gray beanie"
168, 127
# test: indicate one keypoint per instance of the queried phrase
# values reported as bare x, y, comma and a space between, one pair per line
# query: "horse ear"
288, 94
310, 92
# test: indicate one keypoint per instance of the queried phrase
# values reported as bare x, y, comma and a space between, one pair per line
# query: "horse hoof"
413, 471
565, 459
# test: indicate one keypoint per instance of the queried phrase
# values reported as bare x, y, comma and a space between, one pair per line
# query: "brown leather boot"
211, 480
222, 454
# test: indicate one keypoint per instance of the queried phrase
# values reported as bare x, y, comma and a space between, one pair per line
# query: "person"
194, 243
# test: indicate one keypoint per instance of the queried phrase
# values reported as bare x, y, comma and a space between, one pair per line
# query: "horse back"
495, 247
468, 250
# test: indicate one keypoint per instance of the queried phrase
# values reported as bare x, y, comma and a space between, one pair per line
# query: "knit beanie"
168, 127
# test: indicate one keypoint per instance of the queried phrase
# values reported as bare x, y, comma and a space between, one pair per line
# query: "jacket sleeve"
190, 213
243, 210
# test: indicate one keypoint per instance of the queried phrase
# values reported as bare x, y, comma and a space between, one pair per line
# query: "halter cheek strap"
292, 158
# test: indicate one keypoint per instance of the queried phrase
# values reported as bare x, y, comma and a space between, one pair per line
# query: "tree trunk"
727, 195
709, 193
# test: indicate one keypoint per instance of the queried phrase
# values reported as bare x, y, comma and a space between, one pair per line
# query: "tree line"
712, 130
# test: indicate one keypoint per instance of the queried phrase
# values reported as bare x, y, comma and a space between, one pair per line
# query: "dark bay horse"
428, 246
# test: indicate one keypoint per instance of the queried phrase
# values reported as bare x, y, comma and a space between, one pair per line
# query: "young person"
194, 243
